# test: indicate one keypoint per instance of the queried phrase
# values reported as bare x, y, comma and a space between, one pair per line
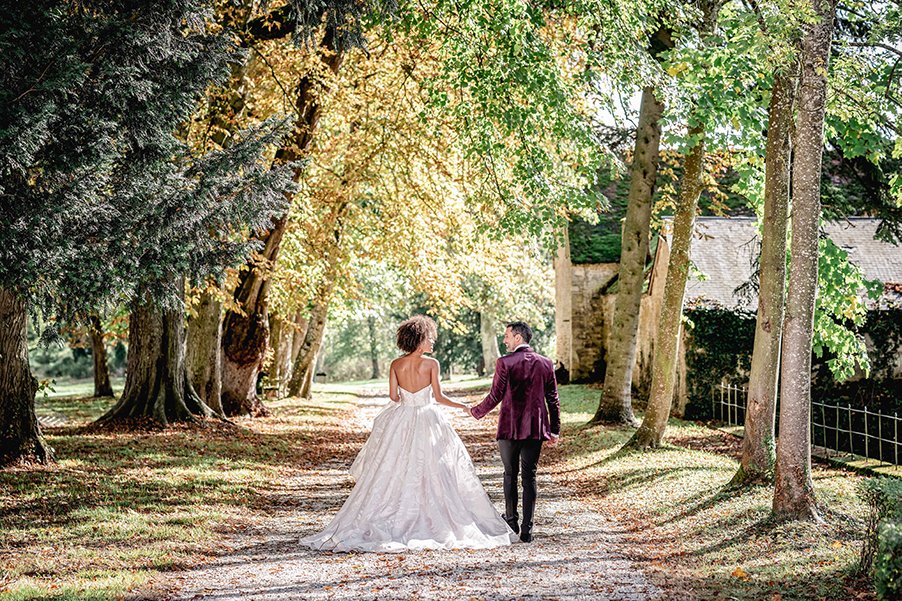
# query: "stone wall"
585, 315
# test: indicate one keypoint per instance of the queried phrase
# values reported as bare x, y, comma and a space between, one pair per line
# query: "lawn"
691, 533
118, 509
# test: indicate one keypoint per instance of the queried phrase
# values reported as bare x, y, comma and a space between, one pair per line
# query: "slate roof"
724, 250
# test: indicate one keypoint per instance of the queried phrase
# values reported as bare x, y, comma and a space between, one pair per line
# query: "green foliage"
719, 351
883, 497
100, 197
888, 564
518, 109
840, 311
593, 244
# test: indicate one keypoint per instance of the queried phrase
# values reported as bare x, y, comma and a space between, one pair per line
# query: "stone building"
723, 256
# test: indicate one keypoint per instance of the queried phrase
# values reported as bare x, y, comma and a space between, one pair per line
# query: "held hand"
553, 441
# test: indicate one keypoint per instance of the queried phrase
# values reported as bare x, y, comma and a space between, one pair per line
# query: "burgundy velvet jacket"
524, 384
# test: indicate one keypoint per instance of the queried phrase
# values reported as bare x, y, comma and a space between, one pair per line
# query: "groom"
524, 384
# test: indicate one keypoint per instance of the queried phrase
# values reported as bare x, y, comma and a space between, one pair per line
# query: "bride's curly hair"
412, 332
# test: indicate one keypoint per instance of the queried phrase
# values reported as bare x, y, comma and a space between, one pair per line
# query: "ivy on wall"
719, 350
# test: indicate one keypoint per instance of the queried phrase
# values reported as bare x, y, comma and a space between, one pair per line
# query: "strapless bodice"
420, 398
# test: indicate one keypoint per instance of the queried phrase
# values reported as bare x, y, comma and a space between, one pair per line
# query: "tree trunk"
667, 339
203, 356
280, 342
490, 352
313, 337
21, 441
651, 431
794, 491
374, 347
246, 335
102, 386
156, 379
298, 329
297, 338
306, 390
757, 462
615, 405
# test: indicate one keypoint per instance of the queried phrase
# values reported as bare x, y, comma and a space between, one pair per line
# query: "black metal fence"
835, 428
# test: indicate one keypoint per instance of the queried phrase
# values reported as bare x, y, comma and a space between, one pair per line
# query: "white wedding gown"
416, 488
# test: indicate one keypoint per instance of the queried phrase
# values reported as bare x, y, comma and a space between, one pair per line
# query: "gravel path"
573, 555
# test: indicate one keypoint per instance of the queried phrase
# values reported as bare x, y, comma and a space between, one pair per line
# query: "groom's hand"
552, 442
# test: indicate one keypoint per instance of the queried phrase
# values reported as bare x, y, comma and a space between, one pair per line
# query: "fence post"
866, 458
837, 428
721, 401
824, 426
880, 434
896, 438
851, 438
735, 405
712, 402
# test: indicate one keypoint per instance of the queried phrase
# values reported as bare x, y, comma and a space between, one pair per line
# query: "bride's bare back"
413, 372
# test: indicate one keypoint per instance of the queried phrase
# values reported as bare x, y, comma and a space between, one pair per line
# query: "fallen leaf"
740, 573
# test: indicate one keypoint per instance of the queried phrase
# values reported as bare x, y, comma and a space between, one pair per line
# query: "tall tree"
246, 330
667, 338
794, 490
94, 181
756, 463
615, 405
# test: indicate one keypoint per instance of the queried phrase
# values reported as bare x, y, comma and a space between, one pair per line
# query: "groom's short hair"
518, 327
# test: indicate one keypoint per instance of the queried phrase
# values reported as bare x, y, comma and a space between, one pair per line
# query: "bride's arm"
440, 397
393, 393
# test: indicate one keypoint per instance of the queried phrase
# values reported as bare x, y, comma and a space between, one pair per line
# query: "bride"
416, 487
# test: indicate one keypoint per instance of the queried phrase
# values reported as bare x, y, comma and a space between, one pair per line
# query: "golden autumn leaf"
740, 573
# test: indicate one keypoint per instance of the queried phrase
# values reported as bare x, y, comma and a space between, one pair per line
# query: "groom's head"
515, 334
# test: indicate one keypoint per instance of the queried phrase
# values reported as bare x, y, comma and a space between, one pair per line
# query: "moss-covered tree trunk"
756, 464
156, 381
21, 441
203, 354
246, 334
667, 340
793, 490
615, 405
102, 386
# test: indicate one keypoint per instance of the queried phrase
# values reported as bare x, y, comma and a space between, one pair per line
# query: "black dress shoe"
526, 533
512, 522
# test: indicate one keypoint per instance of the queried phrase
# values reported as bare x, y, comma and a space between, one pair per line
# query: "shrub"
884, 499
888, 564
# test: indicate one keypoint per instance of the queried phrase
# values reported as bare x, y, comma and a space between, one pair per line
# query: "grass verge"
696, 538
118, 509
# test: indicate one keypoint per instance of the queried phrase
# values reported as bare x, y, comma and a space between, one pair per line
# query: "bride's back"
414, 372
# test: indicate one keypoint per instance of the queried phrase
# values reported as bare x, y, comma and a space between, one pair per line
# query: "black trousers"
520, 456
